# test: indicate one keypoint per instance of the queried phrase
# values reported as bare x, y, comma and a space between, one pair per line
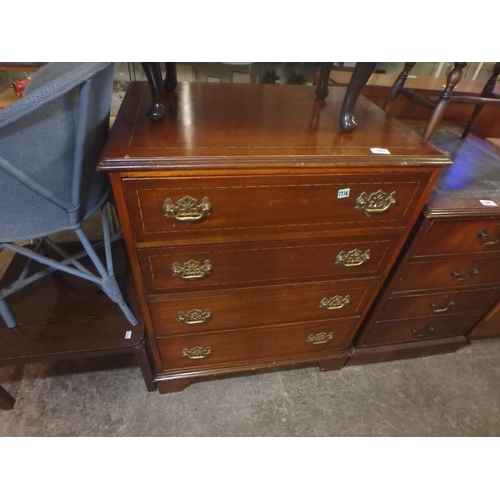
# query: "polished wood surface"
261, 306
265, 206
449, 276
473, 235
62, 317
245, 208
254, 264
437, 303
255, 125
446, 273
420, 329
256, 344
489, 326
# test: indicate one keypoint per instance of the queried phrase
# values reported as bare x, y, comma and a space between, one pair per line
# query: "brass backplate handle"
336, 302
482, 235
187, 209
196, 352
459, 277
376, 202
437, 309
352, 258
192, 270
320, 338
195, 316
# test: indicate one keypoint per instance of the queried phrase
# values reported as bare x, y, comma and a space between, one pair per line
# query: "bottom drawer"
254, 344
416, 330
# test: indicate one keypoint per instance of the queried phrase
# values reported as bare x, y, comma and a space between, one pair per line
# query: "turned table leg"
398, 85
362, 71
454, 76
6, 400
488, 91
157, 111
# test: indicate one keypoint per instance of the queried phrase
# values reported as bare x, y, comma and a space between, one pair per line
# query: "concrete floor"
448, 395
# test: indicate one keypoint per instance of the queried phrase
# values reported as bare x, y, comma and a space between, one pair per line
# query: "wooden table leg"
454, 76
488, 91
360, 75
6, 400
398, 85
157, 111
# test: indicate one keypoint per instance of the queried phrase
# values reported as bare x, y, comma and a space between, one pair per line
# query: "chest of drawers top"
217, 125
471, 186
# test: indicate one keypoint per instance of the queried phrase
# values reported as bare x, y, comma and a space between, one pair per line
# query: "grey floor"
448, 395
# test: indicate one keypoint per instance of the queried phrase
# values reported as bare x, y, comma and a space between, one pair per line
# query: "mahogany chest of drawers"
448, 277
258, 233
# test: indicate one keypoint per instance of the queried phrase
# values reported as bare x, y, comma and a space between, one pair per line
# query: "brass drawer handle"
375, 203
192, 270
196, 352
195, 316
422, 333
437, 309
456, 275
187, 210
336, 302
352, 258
484, 234
320, 338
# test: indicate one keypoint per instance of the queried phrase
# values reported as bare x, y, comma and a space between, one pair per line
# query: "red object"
19, 86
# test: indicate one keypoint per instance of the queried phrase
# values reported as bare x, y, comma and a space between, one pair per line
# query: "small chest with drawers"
448, 277
259, 234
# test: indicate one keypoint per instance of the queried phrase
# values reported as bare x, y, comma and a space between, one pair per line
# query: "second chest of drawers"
448, 278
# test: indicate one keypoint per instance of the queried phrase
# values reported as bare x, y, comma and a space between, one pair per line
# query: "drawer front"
239, 208
178, 314
253, 264
417, 330
450, 274
452, 237
438, 304
192, 351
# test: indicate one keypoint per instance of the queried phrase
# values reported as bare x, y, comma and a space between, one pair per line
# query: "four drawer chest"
259, 235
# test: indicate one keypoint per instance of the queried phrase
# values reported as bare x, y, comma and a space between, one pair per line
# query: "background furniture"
158, 108
62, 317
448, 278
258, 232
50, 142
487, 96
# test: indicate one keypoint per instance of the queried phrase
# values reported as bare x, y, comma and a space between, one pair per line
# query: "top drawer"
239, 208
461, 236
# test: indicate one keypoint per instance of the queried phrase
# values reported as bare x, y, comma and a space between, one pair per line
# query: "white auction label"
380, 151
488, 203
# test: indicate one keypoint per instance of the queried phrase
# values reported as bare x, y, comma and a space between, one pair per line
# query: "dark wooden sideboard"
259, 234
448, 277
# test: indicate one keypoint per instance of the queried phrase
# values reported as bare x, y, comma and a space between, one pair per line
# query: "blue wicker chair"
50, 143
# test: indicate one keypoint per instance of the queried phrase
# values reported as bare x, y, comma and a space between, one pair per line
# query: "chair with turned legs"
438, 107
